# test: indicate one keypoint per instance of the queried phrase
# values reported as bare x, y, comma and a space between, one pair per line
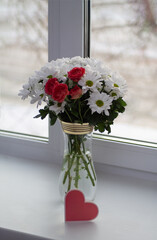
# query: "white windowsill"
30, 204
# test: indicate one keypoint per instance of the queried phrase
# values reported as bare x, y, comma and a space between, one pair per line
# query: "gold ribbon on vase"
76, 128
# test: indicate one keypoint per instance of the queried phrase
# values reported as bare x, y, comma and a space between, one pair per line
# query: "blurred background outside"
123, 35
23, 50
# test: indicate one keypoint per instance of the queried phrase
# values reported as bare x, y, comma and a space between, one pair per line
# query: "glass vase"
77, 169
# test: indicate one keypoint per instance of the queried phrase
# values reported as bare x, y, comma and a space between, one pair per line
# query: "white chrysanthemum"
93, 63
103, 69
57, 64
61, 61
62, 72
100, 102
78, 61
46, 71
116, 86
34, 89
57, 107
97, 66
37, 94
24, 92
89, 80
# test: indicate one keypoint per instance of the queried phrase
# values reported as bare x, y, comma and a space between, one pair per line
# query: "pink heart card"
77, 209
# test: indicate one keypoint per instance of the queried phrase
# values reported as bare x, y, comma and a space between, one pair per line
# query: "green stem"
69, 184
70, 178
90, 162
76, 156
83, 146
66, 158
77, 177
68, 115
70, 163
80, 112
85, 112
87, 169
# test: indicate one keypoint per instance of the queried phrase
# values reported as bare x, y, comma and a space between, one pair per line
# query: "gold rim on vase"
76, 128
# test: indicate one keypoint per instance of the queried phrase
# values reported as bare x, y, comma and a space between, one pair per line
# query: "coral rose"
60, 91
76, 73
75, 92
49, 86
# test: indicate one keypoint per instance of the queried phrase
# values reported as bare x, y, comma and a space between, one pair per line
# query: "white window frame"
66, 39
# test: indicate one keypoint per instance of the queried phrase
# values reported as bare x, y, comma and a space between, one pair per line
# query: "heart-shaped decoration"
76, 209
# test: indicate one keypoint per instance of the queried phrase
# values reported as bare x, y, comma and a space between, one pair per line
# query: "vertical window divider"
87, 27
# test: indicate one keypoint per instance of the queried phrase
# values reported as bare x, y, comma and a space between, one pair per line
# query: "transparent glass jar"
77, 169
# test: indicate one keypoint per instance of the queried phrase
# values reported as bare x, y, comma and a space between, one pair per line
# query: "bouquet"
77, 90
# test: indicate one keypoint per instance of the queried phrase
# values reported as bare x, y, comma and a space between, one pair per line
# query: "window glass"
23, 49
124, 36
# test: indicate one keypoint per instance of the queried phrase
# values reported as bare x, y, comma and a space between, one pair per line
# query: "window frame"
66, 39
120, 152
60, 44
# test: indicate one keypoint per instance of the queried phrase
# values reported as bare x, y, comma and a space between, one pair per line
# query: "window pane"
23, 49
124, 36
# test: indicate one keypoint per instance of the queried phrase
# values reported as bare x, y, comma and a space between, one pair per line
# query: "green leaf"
122, 102
119, 105
113, 115
41, 81
53, 117
42, 95
101, 127
43, 113
108, 128
38, 116
50, 76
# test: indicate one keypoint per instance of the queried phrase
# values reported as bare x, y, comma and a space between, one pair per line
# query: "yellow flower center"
59, 104
116, 85
89, 83
99, 103
114, 94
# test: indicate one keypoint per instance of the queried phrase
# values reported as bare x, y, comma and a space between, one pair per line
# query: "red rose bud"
75, 92
60, 91
76, 73
49, 86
